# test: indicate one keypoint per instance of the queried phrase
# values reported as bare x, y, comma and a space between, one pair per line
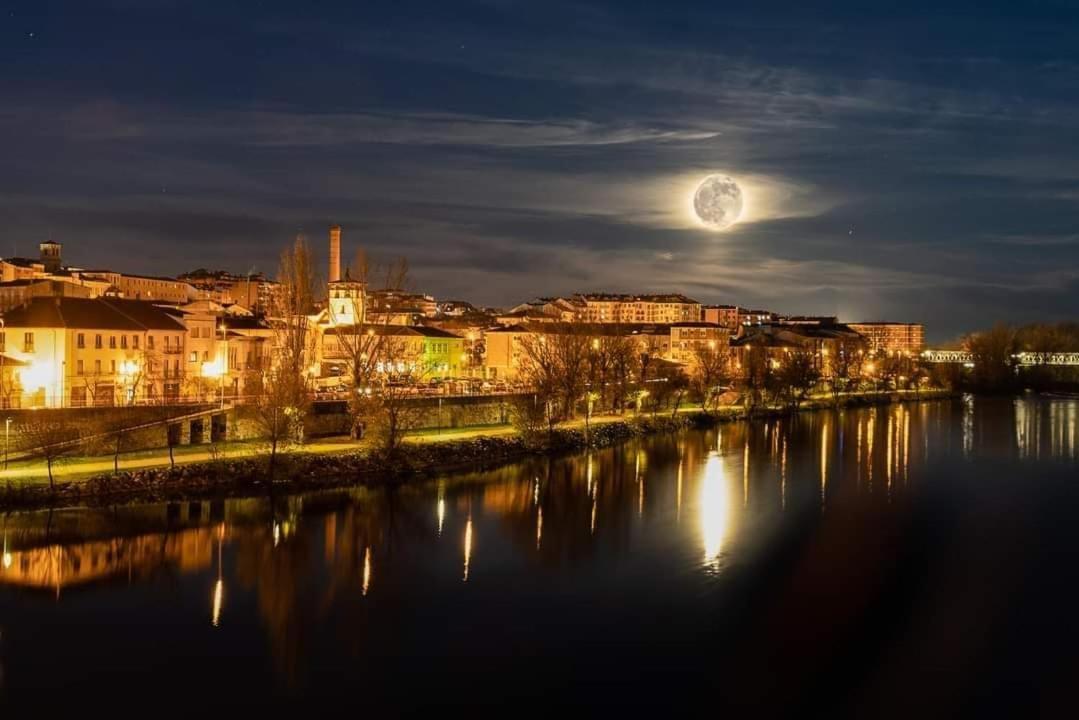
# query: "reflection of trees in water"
298, 587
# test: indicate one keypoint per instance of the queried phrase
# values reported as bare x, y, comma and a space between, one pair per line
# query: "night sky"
917, 163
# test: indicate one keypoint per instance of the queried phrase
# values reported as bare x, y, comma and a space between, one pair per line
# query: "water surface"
880, 561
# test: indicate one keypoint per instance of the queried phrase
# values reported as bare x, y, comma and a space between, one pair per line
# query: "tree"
846, 371
994, 364
280, 388
556, 366
711, 366
51, 440
291, 321
670, 383
367, 346
759, 375
796, 376
274, 402
393, 409
529, 416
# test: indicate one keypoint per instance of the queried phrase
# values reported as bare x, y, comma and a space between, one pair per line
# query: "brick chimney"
335, 253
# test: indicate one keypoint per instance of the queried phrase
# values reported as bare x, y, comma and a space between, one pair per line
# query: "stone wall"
91, 422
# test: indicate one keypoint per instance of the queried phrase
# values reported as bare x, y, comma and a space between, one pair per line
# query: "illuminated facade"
891, 338
725, 315
612, 308
80, 352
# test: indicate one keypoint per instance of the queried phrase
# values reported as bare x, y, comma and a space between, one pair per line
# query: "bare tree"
556, 366
797, 375
274, 394
759, 376
51, 440
392, 409
711, 366
293, 342
367, 346
846, 371
669, 383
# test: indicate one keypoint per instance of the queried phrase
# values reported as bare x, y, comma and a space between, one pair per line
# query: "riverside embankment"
304, 471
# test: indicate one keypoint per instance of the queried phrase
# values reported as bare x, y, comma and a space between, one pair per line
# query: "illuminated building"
892, 337
253, 292
824, 342
725, 315
100, 351
421, 352
615, 308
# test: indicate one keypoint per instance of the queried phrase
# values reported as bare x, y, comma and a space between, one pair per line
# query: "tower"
335, 254
50, 255
347, 301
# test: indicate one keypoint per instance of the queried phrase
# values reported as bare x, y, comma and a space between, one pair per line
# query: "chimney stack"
335, 253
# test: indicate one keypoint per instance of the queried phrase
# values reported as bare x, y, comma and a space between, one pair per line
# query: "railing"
948, 356
1023, 359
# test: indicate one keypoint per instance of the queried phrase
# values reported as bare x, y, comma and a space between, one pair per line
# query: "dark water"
878, 562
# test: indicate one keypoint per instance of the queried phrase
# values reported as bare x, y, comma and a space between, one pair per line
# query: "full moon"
718, 202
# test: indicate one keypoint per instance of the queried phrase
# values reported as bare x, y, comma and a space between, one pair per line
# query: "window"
112, 342
166, 343
97, 367
80, 341
28, 342
194, 356
3, 342
80, 370
123, 342
135, 341
113, 367
97, 342
150, 342
205, 356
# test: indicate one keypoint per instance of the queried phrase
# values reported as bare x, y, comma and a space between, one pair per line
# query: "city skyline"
511, 151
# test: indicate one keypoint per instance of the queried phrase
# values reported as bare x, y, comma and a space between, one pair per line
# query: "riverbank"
332, 464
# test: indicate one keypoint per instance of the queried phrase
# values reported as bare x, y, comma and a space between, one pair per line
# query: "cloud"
103, 121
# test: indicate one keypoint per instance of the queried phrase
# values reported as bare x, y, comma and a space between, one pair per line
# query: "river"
871, 562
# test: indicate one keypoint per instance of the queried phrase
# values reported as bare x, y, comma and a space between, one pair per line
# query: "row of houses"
72, 337
683, 343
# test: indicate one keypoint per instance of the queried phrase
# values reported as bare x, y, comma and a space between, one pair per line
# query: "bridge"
1023, 359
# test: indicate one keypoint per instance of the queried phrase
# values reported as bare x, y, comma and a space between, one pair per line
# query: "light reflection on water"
317, 574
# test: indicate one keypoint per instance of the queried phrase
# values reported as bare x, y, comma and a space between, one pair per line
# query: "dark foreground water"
911, 559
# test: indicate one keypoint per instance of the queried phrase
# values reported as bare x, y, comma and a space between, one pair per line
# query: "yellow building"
616, 308
102, 351
688, 340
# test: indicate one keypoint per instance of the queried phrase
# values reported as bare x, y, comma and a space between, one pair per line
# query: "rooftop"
104, 313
